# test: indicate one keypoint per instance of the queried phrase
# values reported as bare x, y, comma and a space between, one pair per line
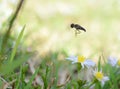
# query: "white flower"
82, 60
113, 61
100, 76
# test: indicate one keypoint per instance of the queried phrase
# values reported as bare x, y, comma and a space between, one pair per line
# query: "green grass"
16, 45
35, 58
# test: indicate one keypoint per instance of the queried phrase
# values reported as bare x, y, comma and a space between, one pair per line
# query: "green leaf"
10, 66
31, 80
1, 84
19, 78
81, 83
16, 44
79, 66
99, 64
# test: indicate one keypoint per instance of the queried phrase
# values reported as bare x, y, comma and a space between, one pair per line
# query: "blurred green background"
48, 26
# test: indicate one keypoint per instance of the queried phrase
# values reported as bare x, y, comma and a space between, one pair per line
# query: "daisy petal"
112, 61
72, 58
106, 78
89, 63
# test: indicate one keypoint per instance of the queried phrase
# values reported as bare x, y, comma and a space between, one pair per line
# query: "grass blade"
32, 78
19, 78
10, 66
16, 45
99, 64
10, 25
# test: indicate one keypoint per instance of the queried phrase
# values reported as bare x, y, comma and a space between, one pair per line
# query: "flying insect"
78, 28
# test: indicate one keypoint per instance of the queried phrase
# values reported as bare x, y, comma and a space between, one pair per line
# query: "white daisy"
100, 76
82, 60
114, 61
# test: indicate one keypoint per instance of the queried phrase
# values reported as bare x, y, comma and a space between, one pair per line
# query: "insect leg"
78, 31
75, 32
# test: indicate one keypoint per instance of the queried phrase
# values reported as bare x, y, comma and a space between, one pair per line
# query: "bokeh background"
48, 26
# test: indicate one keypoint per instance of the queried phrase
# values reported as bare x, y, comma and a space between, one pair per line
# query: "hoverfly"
77, 28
